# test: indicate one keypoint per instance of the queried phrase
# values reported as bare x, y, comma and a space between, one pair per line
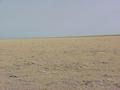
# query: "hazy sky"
28, 18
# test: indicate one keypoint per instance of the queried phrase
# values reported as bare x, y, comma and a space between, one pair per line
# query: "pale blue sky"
34, 18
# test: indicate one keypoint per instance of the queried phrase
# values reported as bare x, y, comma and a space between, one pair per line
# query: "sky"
44, 18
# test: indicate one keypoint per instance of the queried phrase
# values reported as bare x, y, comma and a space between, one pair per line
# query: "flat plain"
81, 63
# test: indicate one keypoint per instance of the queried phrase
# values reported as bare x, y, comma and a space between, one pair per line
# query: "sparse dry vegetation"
86, 63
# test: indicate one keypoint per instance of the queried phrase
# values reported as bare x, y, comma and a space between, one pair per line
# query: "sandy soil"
85, 63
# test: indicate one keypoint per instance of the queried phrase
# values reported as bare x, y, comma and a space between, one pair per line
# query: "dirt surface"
85, 63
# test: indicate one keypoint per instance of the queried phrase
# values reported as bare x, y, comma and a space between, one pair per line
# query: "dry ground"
85, 63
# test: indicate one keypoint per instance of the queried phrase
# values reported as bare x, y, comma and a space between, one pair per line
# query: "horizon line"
66, 36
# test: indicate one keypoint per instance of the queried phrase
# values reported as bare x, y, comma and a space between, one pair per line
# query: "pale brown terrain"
85, 63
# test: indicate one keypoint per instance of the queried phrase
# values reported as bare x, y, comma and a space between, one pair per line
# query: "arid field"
81, 63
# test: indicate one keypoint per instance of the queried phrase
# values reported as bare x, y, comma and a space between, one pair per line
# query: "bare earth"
85, 63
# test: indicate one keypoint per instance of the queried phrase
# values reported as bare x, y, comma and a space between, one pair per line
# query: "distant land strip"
14, 38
